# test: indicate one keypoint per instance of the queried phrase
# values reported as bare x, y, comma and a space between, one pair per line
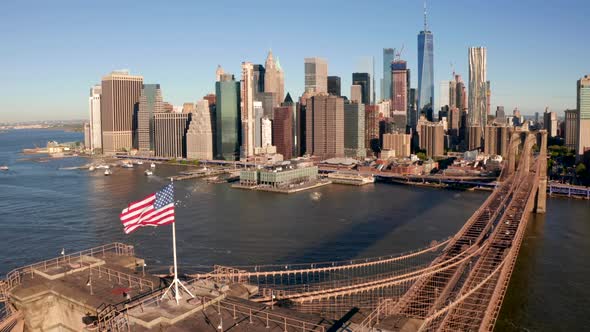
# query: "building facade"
425, 69
583, 103
274, 79
364, 80
266, 132
400, 144
118, 105
399, 83
356, 93
571, 129
388, 57
247, 92
432, 138
228, 123
354, 130
325, 126
334, 87
550, 122
199, 136
150, 103
477, 87
170, 134
372, 143
282, 131
95, 135
316, 75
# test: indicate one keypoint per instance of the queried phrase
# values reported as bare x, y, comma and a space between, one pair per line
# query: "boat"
153, 165
127, 165
107, 172
148, 172
91, 168
3, 168
139, 162
102, 166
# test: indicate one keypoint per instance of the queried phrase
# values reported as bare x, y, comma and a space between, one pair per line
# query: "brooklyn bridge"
454, 284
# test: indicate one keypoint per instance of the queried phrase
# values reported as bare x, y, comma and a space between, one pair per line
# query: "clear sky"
51, 52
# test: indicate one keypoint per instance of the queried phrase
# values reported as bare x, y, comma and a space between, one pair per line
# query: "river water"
45, 208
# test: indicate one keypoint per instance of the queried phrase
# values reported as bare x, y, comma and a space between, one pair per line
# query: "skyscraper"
583, 103
150, 102
399, 84
247, 109
334, 85
227, 112
461, 97
274, 79
425, 68
550, 122
170, 134
477, 88
199, 136
258, 76
325, 126
354, 130
364, 80
316, 75
95, 134
571, 129
372, 128
388, 57
266, 132
444, 99
282, 131
119, 101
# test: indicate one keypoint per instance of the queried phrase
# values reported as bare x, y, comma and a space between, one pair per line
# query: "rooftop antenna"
425, 22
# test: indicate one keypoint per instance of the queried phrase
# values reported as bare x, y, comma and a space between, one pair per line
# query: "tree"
581, 170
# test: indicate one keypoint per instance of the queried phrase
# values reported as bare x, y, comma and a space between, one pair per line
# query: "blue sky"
53, 51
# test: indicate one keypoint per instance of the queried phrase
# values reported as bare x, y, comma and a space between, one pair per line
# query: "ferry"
107, 172
350, 179
148, 172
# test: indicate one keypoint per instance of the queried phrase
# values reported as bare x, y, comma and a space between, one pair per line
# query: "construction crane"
398, 54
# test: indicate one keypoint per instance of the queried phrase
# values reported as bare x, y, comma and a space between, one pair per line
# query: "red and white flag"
155, 210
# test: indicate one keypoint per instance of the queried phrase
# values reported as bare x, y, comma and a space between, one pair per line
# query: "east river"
44, 208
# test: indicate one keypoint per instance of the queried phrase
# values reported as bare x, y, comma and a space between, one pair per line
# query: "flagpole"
175, 281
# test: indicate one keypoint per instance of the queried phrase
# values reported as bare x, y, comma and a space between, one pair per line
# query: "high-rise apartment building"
477, 88
170, 134
364, 80
571, 129
325, 126
118, 105
388, 57
399, 143
334, 86
247, 108
425, 69
199, 136
95, 135
316, 75
150, 103
228, 123
431, 137
583, 103
354, 130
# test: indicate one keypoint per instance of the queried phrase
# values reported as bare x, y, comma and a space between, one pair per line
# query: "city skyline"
48, 79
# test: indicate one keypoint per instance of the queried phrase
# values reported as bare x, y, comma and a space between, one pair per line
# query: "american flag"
155, 210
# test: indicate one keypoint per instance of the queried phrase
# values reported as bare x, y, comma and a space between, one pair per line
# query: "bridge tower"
541, 201
512, 152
